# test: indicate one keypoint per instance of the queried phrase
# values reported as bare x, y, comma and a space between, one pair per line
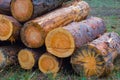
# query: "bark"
107, 48
49, 64
62, 42
42, 25
8, 55
9, 28
28, 58
30, 9
5, 7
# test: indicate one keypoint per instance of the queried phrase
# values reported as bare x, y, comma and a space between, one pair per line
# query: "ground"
109, 11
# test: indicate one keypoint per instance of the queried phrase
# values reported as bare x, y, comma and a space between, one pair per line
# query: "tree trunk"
24, 10
9, 28
5, 7
8, 55
96, 58
40, 26
61, 42
28, 58
49, 64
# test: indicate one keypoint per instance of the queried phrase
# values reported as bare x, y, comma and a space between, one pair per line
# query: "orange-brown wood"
28, 58
103, 50
62, 42
58, 18
48, 64
9, 28
24, 10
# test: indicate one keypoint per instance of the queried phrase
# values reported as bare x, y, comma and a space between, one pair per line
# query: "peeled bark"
9, 28
5, 7
24, 10
40, 26
61, 42
48, 64
28, 58
8, 55
96, 58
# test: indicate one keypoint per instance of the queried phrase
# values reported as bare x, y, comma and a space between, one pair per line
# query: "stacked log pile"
61, 42
40, 26
44, 34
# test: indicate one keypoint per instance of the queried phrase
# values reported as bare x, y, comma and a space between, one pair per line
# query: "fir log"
96, 58
8, 55
9, 28
40, 26
24, 10
61, 42
28, 58
49, 64
5, 7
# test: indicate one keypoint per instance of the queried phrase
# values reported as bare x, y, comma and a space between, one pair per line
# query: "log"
48, 63
40, 26
62, 42
8, 55
24, 10
96, 58
9, 28
5, 7
28, 58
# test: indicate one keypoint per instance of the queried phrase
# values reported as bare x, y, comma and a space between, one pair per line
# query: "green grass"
109, 10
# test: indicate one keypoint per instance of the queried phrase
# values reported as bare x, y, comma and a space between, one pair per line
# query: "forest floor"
109, 11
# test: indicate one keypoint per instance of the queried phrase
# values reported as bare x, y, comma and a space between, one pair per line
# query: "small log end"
26, 59
48, 64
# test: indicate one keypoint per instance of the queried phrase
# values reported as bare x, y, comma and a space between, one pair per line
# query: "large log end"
48, 64
26, 59
60, 42
88, 60
6, 28
22, 10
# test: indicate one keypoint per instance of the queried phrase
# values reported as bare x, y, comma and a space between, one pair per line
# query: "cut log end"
89, 61
22, 10
26, 59
48, 64
60, 43
6, 28
32, 35
2, 59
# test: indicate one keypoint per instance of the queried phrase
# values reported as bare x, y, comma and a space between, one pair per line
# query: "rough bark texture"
100, 61
8, 55
48, 22
28, 58
36, 7
61, 42
109, 45
5, 7
49, 64
9, 28
87, 30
